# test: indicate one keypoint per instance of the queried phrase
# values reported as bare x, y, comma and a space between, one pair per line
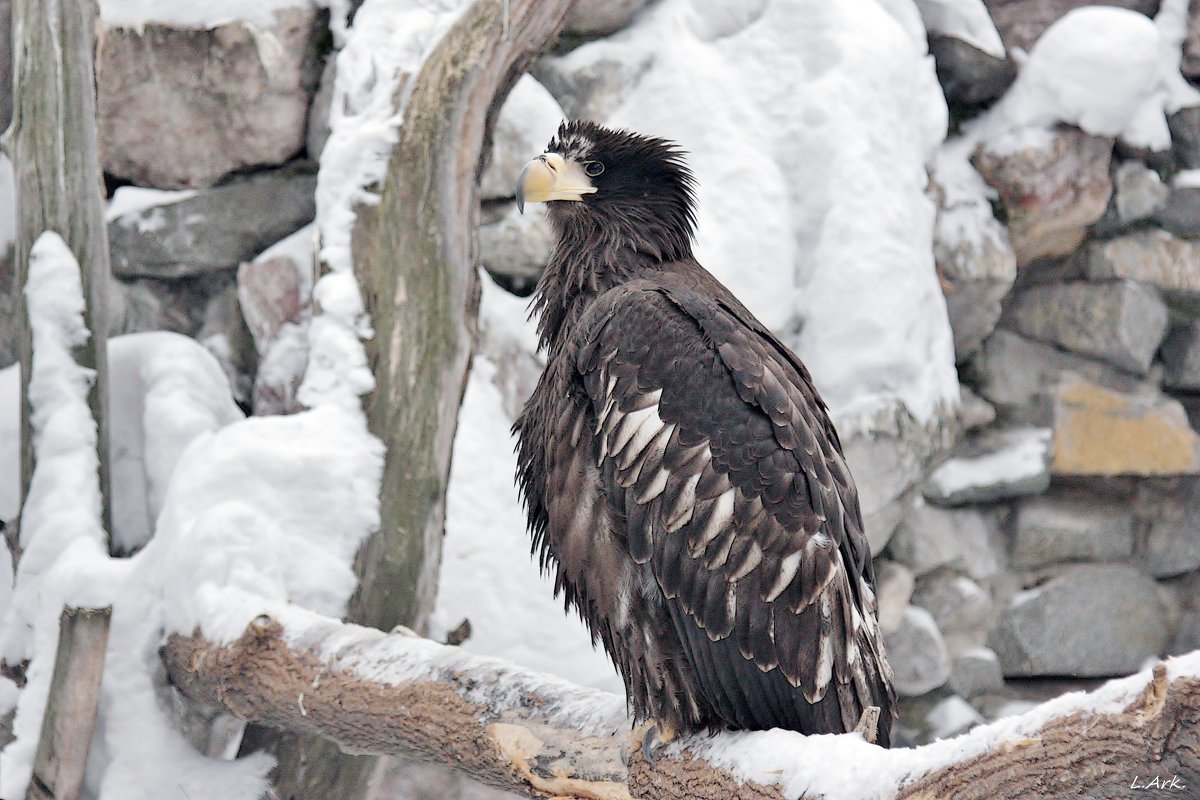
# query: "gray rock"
1021, 22
182, 107
601, 17
1122, 322
994, 466
216, 229
1052, 193
1138, 192
1181, 213
957, 603
517, 245
317, 131
962, 539
1070, 527
1153, 257
1021, 376
1090, 620
1181, 357
974, 412
224, 334
529, 117
1185, 137
1187, 636
1171, 510
893, 590
952, 717
967, 74
884, 468
917, 653
1189, 64
149, 304
976, 672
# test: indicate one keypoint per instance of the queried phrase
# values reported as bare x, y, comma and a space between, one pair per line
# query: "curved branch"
399, 694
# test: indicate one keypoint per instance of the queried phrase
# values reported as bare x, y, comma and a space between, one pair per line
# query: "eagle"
680, 472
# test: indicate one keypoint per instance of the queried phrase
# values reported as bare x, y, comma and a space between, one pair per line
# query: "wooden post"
71, 708
56, 165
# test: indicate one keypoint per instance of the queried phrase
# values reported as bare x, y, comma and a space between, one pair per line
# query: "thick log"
538, 736
56, 166
70, 718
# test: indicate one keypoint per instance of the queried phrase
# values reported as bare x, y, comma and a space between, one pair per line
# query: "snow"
1111, 71
209, 14
1186, 179
845, 767
1023, 457
952, 716
966, 224
488, 575
165, 390
133, 199
811, 188
10, 443
966, 20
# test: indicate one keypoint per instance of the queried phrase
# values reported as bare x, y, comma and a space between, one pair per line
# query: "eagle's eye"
593, 168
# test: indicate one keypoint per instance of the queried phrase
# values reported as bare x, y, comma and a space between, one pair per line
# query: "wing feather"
722, 462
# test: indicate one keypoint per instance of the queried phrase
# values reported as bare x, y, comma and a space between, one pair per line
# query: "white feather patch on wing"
787, 571
717, 519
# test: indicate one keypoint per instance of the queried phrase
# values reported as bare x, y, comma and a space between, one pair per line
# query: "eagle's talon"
657, 737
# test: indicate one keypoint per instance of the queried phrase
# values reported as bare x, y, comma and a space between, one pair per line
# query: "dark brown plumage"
681, 473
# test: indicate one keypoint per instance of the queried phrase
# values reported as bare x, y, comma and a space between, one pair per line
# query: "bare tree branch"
538, 736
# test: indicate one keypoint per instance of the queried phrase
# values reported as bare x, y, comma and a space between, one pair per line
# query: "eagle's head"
624, 185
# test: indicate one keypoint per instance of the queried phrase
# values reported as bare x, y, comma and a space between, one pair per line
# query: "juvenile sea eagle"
681, 472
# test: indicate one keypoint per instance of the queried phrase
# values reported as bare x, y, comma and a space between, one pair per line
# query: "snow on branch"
400, 694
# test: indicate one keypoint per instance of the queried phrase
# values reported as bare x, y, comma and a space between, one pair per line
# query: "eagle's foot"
651, 737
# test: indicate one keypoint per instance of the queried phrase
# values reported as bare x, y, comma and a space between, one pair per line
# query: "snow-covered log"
400, 694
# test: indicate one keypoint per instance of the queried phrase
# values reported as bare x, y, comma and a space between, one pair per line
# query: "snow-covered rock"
165, 391
190, 92
1003, 464
974, 259
1052, 186
1111, 71
1120, 322
1022, 22
1089, 621
917, 653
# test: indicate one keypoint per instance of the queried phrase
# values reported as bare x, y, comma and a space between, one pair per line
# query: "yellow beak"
551, 177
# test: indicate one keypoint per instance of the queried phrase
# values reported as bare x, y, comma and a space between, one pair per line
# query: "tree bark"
56, 166
538, 736
415, 259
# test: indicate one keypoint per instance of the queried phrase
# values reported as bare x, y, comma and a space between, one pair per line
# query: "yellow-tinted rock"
1098, 431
